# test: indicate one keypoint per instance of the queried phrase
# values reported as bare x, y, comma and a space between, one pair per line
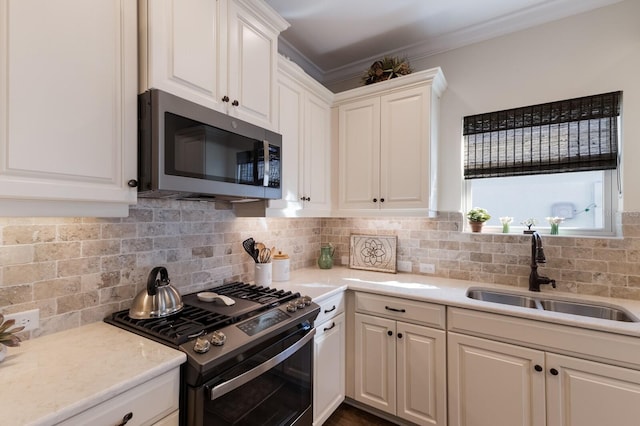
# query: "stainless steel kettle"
160, 299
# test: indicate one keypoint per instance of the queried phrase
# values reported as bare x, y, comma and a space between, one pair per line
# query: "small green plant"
478, 214
7, 336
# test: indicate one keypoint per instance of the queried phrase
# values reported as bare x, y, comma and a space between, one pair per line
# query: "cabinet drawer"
148, 402
402, 309
330, 307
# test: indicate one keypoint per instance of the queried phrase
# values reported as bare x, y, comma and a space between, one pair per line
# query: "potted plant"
7, 336
477, 216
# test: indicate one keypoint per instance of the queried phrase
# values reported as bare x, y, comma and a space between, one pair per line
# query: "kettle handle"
152, 282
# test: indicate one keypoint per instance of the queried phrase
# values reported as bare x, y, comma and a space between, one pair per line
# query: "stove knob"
300, 303
306, 300
218, 338
201, 346
291, 307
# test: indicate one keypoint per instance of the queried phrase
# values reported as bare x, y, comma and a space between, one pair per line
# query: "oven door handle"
226, 387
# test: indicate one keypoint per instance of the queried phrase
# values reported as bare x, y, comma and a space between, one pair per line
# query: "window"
555, 159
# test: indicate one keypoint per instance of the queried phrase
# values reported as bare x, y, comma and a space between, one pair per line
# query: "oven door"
273, 387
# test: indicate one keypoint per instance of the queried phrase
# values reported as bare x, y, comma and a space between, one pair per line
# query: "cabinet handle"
399, 335
333, 324
553, 372
132, 183
537, 367
382, 200
326, 311
225, 98
375, 200
235, 102
125, 419
395, 309
390, 333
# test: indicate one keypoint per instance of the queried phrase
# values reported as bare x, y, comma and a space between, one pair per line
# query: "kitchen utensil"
209, 296
265, 255
249, 246
159, 299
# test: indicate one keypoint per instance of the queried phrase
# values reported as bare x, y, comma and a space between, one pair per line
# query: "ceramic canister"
281, 266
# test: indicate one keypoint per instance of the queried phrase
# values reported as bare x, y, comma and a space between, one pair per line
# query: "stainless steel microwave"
189, 151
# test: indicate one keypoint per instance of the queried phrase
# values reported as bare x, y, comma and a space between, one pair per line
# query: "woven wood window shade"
573, 135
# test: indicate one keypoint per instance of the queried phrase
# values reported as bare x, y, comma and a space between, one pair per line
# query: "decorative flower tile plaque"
373, 252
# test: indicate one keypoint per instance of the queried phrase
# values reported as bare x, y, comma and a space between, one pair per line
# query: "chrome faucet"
537, 256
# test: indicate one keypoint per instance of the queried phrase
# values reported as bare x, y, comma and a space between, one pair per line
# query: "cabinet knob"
125, 419
382, 200
132, 183
399, 335
537, 368
553, 372
390, 333
375, 200
235, 102
225, 98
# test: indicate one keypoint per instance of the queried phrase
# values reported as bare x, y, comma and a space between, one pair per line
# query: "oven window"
279, 396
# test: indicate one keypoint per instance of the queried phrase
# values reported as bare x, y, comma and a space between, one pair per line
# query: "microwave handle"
265, 179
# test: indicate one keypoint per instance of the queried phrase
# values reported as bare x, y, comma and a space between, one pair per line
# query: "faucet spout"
537, 256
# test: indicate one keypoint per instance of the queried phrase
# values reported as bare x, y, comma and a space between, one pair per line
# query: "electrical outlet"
29, 319
427, 268
404, 266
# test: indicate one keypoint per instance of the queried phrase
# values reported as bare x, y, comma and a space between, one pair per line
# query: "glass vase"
505, 228
554, 228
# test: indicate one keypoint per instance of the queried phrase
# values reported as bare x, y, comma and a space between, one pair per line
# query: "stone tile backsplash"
78, 270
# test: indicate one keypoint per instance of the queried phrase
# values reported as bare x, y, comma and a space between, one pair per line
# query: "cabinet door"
185, 50
329, 374
375, 361
405, 148
252, 52
359, 154
68, 112
421, 372
316, 170
291, 100
586, 393
494, 384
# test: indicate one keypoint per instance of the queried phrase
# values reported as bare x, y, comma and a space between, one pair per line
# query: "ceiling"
334, 39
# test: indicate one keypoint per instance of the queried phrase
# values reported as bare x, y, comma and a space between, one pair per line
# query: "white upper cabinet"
304, 120
68, 108
220, 54
387, 140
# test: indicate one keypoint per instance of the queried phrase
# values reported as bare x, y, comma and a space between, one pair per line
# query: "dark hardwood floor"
346, 415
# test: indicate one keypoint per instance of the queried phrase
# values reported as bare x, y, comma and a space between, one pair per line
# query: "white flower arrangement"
555, 220
505, 221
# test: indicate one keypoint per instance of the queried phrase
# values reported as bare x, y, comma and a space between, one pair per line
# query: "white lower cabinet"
329, 359
152, 403
400, 367
494, 383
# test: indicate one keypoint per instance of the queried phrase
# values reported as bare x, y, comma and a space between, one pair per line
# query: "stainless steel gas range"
249, 354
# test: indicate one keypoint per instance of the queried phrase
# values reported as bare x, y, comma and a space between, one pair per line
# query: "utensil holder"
263, 274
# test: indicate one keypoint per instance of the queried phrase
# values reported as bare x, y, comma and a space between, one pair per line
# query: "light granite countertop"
54, 377
51, 378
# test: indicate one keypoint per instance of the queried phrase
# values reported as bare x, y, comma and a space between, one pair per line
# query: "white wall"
595, 52
591, 53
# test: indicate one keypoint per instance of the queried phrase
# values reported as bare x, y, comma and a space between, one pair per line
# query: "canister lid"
280, 256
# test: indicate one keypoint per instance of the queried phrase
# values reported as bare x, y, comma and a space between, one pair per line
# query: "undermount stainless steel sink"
503, 298
591, 310
588, 310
